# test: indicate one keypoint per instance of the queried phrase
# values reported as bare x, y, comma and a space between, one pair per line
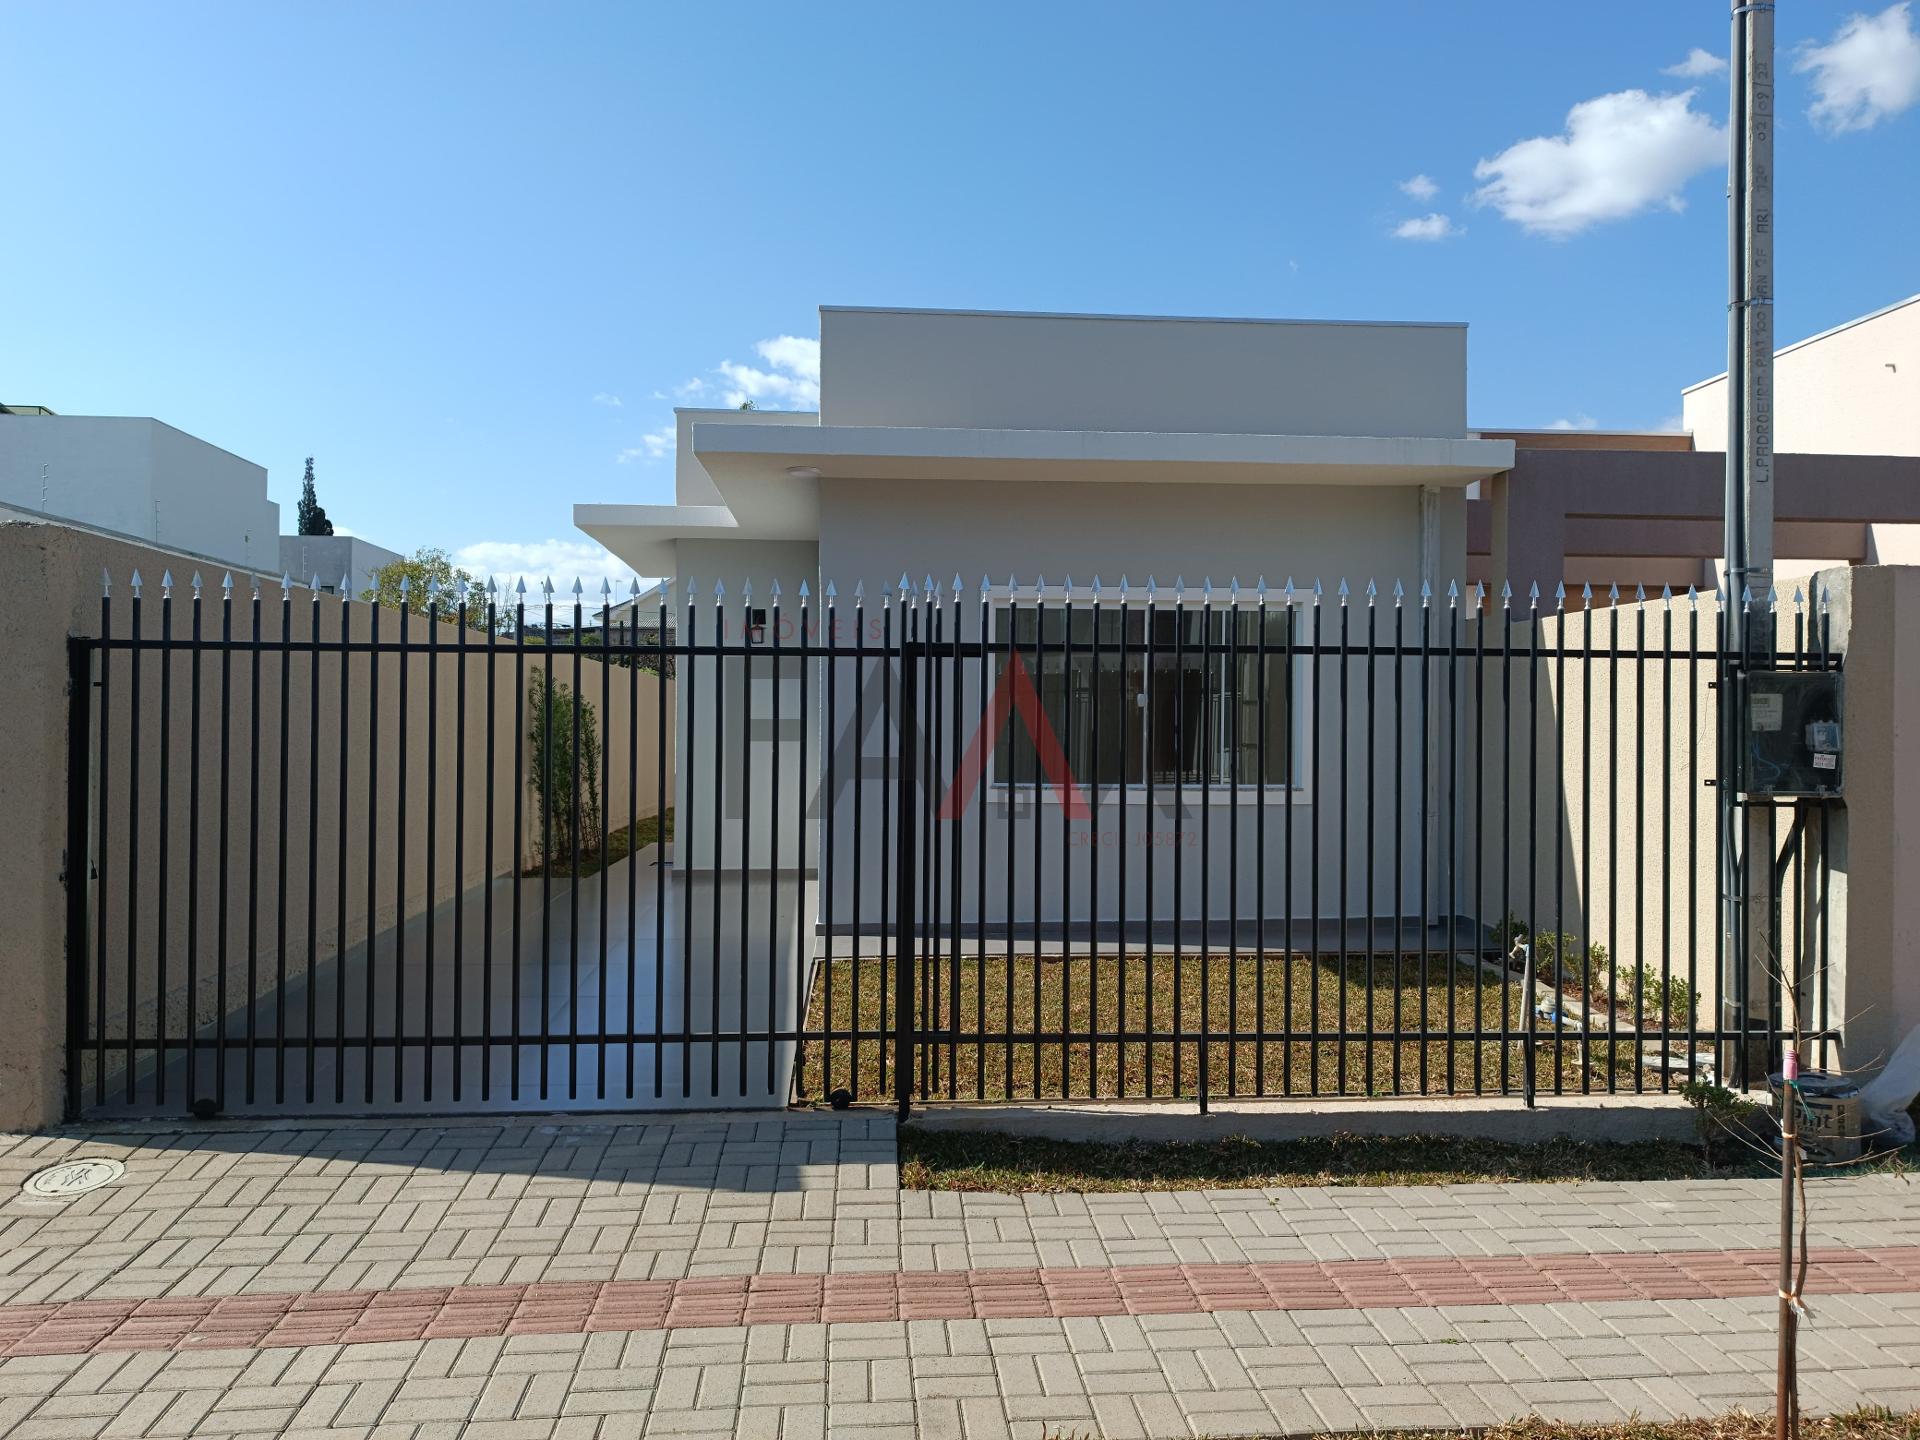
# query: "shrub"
1509, 930
556, 789
1643, 991
1582, 967
1719, 1111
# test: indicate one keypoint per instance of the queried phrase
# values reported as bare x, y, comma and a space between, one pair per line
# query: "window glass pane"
1175, 715
1094, 715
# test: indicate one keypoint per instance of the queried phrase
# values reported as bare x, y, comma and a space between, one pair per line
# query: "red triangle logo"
1014, 691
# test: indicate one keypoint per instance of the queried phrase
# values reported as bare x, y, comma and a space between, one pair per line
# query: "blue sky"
434, 244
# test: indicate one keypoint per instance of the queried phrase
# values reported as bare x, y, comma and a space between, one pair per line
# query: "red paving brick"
570, 1308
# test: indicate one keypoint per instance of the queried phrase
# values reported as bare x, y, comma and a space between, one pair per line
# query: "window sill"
1274, 796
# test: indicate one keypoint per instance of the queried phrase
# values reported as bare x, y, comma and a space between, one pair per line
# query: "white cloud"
1428, 227
1868, 72
1577, 422
612, 402
788, 378
792, 353
561, 560
741, 383
1698, 63
1419, 187
654, 445
1619, 155
791, 380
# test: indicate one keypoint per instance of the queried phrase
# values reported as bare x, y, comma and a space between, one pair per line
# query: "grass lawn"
1020, 1164
1868, 1424
620, 844
1433, 1003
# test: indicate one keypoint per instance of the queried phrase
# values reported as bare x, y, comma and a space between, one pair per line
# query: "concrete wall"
142, 479
344, 564
874, 531
1876, 905
1085, 372
49, 589
1599, 822
1854, 390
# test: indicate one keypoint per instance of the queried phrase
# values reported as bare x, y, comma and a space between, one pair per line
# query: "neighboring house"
345, 564
1599, 508
1185, 452
142, 479
1851, 390
628, 616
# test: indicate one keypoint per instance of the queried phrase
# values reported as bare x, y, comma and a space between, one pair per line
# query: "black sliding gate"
1024, 842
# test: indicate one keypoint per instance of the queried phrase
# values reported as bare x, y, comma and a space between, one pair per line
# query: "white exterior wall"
711, 734
1850, 391
1081, 372
872, 531
143, 479
338, 560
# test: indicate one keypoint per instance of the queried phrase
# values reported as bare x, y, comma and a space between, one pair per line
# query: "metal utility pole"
1747, 866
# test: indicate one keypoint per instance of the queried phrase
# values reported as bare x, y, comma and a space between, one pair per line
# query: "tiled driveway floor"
310, 1277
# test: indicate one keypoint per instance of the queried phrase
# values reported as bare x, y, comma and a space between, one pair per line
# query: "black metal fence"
1019, 842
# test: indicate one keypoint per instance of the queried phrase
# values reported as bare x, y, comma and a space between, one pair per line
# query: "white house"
345, 564
1190, 455
1851, 390
140, 478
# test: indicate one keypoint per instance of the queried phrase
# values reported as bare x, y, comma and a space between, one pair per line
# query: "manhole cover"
74, 1177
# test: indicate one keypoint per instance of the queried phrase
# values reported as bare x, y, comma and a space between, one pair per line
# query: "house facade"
341, 564
1186, 466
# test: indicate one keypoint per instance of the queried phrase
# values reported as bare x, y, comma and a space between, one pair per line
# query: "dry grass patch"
1385, 1026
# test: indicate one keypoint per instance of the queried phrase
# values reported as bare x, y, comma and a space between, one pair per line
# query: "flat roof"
1090, 315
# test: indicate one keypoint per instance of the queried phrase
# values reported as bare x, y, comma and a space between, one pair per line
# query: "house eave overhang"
744, 454
643, 536
769, 476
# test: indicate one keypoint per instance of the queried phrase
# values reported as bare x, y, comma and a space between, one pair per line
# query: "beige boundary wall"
50, 580
1875, 838
1620, 853
1646, 886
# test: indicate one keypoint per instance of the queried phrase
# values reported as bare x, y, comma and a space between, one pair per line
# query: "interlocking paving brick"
762, 1275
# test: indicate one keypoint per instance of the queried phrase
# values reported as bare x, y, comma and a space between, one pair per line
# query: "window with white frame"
1154, 703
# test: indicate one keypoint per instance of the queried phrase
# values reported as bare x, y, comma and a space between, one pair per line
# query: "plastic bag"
1885, 1100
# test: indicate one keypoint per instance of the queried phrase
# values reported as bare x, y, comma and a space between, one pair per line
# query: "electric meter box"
1793, 736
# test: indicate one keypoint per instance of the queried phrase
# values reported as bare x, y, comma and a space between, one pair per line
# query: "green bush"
556, 789
1583, 968
1643, 991
1719, 1111
1556, 954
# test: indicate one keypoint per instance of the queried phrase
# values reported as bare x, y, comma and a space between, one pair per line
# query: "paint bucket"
1829, 1115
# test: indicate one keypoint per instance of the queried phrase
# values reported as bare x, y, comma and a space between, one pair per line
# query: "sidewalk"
763, 1276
